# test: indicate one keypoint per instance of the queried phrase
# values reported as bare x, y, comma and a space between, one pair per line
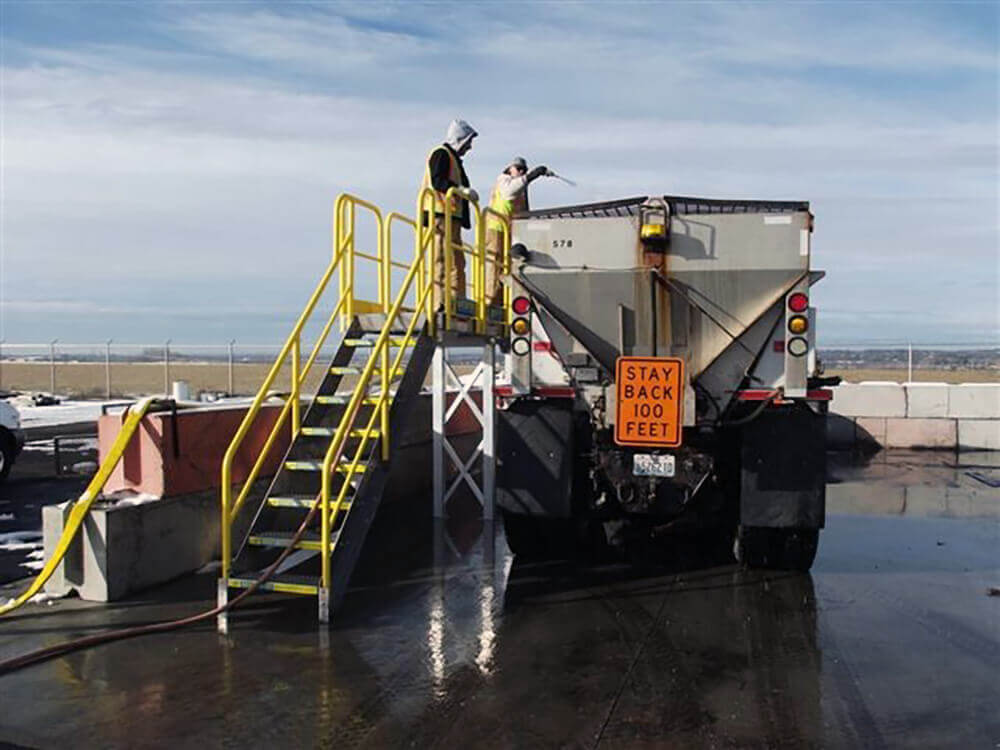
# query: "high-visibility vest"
505, 206
454, 176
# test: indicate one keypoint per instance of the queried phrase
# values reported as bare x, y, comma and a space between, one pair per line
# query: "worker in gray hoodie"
443, 171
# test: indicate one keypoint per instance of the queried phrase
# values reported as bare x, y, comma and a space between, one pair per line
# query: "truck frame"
660, 377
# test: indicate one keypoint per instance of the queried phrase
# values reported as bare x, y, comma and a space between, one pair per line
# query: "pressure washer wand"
560, 177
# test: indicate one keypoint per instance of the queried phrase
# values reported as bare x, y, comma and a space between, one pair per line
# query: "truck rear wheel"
776, 549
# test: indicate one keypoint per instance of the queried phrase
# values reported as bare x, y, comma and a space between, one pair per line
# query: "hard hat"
518, 162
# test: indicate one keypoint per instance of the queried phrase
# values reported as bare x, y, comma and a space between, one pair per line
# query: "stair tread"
315, 465
299, 501
286, 583
309, 540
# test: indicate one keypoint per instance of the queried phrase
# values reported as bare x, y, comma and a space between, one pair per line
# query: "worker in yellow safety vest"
443, 171
509, 197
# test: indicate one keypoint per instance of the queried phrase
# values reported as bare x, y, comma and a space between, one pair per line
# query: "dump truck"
661, 376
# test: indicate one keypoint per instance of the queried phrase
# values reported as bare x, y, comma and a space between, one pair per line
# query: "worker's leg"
494, 243
458, 263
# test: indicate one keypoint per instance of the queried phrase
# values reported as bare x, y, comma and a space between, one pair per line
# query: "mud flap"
535, 445
783, 469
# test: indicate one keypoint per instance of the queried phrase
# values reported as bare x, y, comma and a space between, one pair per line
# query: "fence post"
107, 368
166, 368
232, 343
52, 366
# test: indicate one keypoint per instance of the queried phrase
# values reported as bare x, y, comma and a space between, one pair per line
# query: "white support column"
489, 431
221, 600
482, 483
437, 426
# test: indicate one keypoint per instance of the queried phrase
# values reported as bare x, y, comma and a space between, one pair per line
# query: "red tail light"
798, 302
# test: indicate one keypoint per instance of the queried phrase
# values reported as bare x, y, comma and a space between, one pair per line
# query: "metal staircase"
327, 490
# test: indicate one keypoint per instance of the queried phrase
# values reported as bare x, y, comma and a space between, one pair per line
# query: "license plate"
648, 465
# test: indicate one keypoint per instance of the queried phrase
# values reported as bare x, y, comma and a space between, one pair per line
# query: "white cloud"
222, 159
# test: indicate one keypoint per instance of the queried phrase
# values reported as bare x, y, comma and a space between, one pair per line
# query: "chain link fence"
112, 370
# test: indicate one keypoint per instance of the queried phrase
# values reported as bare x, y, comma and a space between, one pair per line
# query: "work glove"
537, 172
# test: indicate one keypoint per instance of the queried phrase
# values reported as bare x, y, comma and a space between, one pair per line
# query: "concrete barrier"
974, 401
979, 434
926, 400
915, 415
869, 399
920, 433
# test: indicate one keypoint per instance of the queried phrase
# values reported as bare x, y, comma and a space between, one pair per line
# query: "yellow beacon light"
520, 326
653, 231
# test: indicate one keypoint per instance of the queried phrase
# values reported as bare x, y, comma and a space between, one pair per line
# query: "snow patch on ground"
48, 447
20, 540
127, 497
68, 412
35, 561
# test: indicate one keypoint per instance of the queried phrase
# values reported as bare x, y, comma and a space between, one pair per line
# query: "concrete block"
979, 434
926, 400
124, 548
865, 498
869, 399
921, 433
870, 429
974, 401
70, 573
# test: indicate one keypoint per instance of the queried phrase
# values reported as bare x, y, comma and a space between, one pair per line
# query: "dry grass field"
919, 376
87, 380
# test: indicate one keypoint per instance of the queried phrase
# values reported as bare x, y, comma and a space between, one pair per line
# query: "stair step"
344, 467
369, 343
342, 399
330, 431
286, 583
280, 539
304, 502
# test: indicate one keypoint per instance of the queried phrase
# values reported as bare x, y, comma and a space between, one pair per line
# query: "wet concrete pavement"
446, 640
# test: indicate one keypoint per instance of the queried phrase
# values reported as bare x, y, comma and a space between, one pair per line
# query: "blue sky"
169, 168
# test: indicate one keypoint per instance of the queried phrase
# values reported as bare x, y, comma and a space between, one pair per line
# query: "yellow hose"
82, 506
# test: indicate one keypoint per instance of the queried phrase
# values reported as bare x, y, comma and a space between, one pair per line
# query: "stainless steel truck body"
663, 377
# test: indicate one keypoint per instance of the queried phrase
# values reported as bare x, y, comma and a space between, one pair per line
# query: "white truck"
663, 378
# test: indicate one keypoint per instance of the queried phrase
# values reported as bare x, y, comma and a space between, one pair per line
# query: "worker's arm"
511, 186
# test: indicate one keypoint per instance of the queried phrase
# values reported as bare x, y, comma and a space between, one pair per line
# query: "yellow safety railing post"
296, 385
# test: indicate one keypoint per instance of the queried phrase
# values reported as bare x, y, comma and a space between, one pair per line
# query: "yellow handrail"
81, 507
342, 260
350, 414
422, 276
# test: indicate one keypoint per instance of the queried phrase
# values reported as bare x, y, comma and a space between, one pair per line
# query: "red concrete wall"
203, 435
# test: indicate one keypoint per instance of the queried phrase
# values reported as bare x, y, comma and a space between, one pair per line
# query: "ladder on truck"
323, 497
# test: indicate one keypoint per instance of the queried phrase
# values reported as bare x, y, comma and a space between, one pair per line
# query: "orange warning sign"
650, 395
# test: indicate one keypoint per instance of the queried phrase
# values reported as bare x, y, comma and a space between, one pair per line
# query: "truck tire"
6, 453
776, 549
